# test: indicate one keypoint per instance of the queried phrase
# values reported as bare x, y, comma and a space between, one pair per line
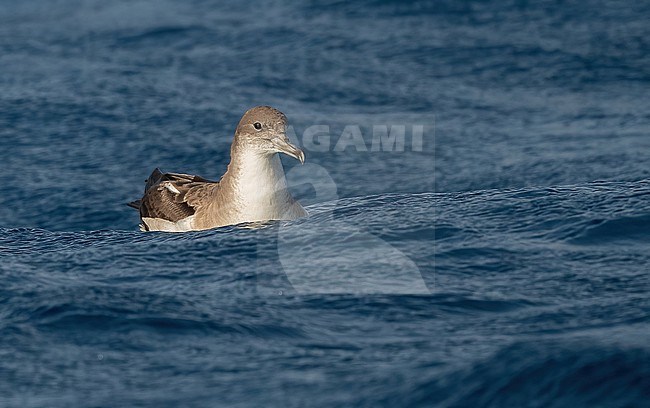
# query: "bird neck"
256, 179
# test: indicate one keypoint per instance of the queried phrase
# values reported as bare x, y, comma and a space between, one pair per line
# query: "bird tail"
135, 204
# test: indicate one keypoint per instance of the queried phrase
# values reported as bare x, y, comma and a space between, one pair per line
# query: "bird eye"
257, 125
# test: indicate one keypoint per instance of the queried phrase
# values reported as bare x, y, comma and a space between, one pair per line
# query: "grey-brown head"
263, 129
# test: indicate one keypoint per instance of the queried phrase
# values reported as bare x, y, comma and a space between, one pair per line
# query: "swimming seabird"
253, 188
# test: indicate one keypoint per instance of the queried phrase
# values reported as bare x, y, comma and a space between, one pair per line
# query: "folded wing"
173, 196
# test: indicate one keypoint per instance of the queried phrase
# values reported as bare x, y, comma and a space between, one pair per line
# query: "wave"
548, 372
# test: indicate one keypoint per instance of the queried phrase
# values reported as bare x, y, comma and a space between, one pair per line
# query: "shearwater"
253, 189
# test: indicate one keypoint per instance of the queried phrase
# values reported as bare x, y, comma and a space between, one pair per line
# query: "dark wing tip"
154, 178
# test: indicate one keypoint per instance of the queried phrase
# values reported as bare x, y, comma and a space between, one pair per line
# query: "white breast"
261, 188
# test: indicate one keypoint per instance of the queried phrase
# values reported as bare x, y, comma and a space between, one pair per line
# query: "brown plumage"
172, 196
252, 189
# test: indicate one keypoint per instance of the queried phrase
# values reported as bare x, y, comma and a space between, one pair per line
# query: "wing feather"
174, 196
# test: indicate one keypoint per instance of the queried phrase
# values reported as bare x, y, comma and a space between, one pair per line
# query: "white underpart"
262, 189
158, 224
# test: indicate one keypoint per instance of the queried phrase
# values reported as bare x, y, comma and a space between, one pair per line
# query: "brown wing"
173, 196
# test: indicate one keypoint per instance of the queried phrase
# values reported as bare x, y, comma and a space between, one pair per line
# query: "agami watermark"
384, 138
335, 256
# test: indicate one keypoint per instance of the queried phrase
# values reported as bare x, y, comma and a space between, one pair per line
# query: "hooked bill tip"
282, 145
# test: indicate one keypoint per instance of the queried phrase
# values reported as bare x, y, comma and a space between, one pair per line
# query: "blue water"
503, 263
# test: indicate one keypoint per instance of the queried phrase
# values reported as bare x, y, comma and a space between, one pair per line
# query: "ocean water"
498, 258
